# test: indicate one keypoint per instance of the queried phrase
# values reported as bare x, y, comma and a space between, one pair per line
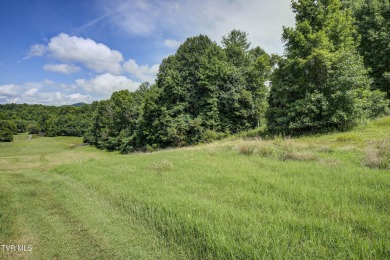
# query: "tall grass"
302, 198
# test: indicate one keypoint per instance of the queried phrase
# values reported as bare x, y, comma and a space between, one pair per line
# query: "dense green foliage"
7, 130
372, 18
203, 92
206, 91
322, 83
115, 121
48, 120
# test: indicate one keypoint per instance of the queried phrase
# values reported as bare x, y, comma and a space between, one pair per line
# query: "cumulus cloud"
103, 85
71, 49
96, 56
143, 72
61, 68
172, 43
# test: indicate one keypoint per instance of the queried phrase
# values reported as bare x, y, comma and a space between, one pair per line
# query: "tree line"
44, 120
335, 73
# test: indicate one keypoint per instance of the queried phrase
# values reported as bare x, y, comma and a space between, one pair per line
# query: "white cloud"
55, 98
9, 90
46, 92
36, 50
61, 68
95, 56
103, 85
31, 92
143, 72
263, 20
42, 93
132, 16
172, 43
49, 84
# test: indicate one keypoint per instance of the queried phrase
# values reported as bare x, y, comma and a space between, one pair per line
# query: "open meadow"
325, 196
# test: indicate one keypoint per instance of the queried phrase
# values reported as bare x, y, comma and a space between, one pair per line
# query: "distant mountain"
79, 104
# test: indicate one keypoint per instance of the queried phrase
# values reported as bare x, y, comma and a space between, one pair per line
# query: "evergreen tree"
322, 83
372, 18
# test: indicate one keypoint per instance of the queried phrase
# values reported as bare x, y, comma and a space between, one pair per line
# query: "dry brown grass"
324, 149
299, 156
282, 149
330, 162
45, 162
162, 166
246, 149
378, 155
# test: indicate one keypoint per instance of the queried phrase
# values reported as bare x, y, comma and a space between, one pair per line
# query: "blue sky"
64, 52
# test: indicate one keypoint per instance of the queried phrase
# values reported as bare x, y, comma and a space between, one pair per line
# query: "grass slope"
315, 197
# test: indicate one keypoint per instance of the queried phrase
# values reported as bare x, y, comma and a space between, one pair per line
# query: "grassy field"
324, 196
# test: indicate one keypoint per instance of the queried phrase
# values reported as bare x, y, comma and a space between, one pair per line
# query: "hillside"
324, 196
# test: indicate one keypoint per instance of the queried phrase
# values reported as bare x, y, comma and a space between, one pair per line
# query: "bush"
33, 128
6, 136
209, 135
7, 131
266, 150
379, 104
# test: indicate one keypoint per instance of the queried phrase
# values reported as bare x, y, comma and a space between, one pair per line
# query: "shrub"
160, 167
7, 131
379, 104
265, 149
33, 128
209, 135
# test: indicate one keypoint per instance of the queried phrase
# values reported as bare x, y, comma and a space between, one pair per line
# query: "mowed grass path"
312, 197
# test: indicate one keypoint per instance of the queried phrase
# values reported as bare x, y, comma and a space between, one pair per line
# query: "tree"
237, 39
7, 130
236, 46
258, 73
48, 120
33, 128
322, 83
372, 18
202, 92
99, 133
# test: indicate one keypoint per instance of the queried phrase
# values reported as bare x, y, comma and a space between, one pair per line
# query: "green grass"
311, 197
